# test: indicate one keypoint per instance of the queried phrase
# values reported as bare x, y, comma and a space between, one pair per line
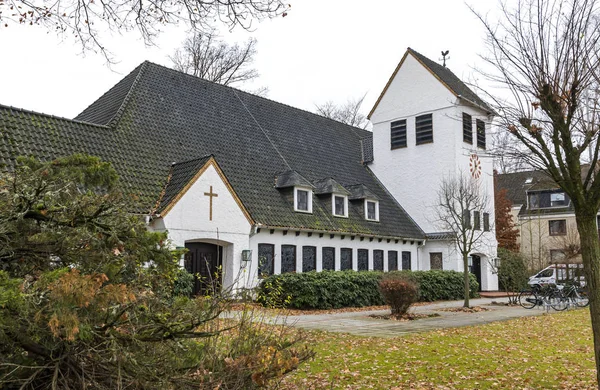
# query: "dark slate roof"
518, 183
329, 186
454, 83
360, 191
157, 116
179, 177
291, 178
441, 236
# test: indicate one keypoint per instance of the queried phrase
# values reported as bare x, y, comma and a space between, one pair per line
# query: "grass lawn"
549, 351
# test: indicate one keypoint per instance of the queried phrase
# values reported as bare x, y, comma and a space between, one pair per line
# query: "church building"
253, 187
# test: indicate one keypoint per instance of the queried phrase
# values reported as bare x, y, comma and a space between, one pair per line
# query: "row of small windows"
468, 130
266, 259
476, 220
303, 203
424, 131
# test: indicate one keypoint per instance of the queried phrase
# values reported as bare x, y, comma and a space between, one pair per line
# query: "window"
378, 260
476, 220
406, 262
424, 129
302, 200
436, 260
480, 133
557, 256
363, 259
538, 200
392, 260
288, 258
372, 210
486, 222
346, 258
328, 258
467, 128
398, 134
266, 253
309, 258
340, 205
467, 219
558, 227
558, 199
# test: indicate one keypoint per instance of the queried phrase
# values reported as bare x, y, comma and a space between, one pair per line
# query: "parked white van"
558, 274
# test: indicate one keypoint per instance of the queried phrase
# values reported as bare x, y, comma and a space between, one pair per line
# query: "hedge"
336, 289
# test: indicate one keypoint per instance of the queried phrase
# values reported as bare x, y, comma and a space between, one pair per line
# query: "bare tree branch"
348, 113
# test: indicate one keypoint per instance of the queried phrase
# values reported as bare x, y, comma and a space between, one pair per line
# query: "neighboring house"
544, 215
253, 187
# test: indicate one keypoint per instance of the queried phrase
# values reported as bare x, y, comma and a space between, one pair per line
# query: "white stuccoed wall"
278, 239
188, 221
413, 174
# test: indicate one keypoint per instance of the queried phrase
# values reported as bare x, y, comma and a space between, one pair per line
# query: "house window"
363, 259
406, 261
558, 199
486, 222
467, 128
328, 258
424, 129
372, 210
558, 227
436, 260
302, 200
539, 200
378, 260
309, 258
392, 260
345, 258
266, 254
466, 219
480, 133
476, 220
340, 205
288, 258
398, 134
557, 256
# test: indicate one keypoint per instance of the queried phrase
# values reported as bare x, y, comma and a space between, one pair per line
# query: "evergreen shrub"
337, 289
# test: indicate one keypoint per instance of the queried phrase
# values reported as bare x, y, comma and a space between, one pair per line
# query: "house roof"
444, 75
518, 183
156, 116
329, 186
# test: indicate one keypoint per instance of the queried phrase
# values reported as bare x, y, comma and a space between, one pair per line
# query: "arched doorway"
205, 262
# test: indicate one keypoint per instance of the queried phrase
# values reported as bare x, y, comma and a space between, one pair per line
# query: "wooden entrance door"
204, 261
476, 269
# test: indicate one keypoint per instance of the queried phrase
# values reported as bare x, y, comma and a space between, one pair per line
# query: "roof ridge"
121, 109
193, 159
261, 97
13, 108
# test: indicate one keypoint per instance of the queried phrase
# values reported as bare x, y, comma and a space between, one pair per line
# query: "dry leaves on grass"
547, 351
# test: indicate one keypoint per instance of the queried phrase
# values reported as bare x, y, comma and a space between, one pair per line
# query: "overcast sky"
323, 50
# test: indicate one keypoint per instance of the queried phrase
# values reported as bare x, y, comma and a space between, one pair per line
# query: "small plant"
399, 293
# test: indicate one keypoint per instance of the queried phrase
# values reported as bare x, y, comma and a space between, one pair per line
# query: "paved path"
359, 323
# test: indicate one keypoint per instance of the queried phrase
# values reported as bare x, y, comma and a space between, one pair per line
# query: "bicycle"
574, 295
548, 296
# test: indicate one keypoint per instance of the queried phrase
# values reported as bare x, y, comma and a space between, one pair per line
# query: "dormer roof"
361, 191
329, 186
291, 178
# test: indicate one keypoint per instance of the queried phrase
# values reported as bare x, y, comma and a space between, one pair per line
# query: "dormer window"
371, 210
545, 199
339, 205
302, 200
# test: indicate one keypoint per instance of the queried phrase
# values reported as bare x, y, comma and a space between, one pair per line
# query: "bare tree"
547, 55
85, 20
348, 113
204, 55
459, 198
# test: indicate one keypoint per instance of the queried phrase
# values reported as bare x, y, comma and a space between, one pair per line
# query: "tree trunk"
590, 253
467, 277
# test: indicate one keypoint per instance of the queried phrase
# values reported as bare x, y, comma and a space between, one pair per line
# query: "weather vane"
445, 57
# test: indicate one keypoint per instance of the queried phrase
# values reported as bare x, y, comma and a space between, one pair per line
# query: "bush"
512, 273
398, 292
336, 289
